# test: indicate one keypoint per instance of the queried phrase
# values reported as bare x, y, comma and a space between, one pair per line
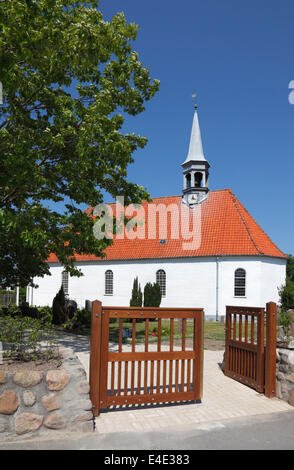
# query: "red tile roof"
226, 229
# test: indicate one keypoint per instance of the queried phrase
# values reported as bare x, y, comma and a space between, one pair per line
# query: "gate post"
198, 348
95, 355
270, 350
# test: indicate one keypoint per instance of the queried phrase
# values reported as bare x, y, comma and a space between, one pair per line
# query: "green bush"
285, 321
80, 320
27, 311
11, 310
152, 295
27, 338
287, 295
165, 331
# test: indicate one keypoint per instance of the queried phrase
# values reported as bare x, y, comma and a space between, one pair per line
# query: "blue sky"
238, 57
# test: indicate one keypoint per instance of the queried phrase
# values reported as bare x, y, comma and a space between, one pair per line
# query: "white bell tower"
195, 168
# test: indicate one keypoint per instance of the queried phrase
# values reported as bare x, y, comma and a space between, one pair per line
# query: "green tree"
152, 295
58, 308
137, 296
290, 268
69, 79
287, 291
287, 295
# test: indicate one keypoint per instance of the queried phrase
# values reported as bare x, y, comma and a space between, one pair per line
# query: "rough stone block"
3, 377
55, 421
83, 388
27, 378
83, 404
291, 397
4, 424
52, 401
84, 416
57, 379
29, 398
27, 422
9, 402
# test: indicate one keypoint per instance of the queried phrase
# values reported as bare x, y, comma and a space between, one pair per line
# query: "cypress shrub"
137, 296
152, 295
58, 308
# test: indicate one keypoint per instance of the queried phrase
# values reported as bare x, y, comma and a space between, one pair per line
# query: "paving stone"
223, 398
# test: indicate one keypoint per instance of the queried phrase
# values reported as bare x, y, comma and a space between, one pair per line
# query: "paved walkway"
223, 398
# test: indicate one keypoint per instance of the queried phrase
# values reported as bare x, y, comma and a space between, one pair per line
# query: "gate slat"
151, 376
158, 377
139, 378
170, 383
164, 377
177, 375
145, 376
126, 378
171, 334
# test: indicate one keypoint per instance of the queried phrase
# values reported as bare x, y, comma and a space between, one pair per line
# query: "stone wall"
41, 403
285, 366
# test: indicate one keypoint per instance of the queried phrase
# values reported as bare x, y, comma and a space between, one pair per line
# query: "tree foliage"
287, 291
152, 295
58, 308
290, 268
69, 78
137, 296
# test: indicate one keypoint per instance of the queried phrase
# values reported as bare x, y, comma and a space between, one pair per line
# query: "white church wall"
48, 287
189, 282
273, 277
227, 268
263, 277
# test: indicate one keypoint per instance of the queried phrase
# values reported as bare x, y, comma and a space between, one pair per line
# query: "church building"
231, 262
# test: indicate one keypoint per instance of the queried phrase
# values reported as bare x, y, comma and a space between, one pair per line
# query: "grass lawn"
212, 330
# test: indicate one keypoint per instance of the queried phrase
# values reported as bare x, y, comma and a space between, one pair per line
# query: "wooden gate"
144, 372
250, 354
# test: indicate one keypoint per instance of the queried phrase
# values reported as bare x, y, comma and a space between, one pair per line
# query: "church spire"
195, 167
195, 152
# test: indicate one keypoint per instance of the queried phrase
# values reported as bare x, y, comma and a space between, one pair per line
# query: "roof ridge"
260, 228
165, 197
235, 199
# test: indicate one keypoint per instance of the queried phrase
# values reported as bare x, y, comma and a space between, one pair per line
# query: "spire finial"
194, 95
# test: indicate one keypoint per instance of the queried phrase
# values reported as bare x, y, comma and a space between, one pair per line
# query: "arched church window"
108, 282
197, 179
64, 282
188, 181
240, 282
161, 280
